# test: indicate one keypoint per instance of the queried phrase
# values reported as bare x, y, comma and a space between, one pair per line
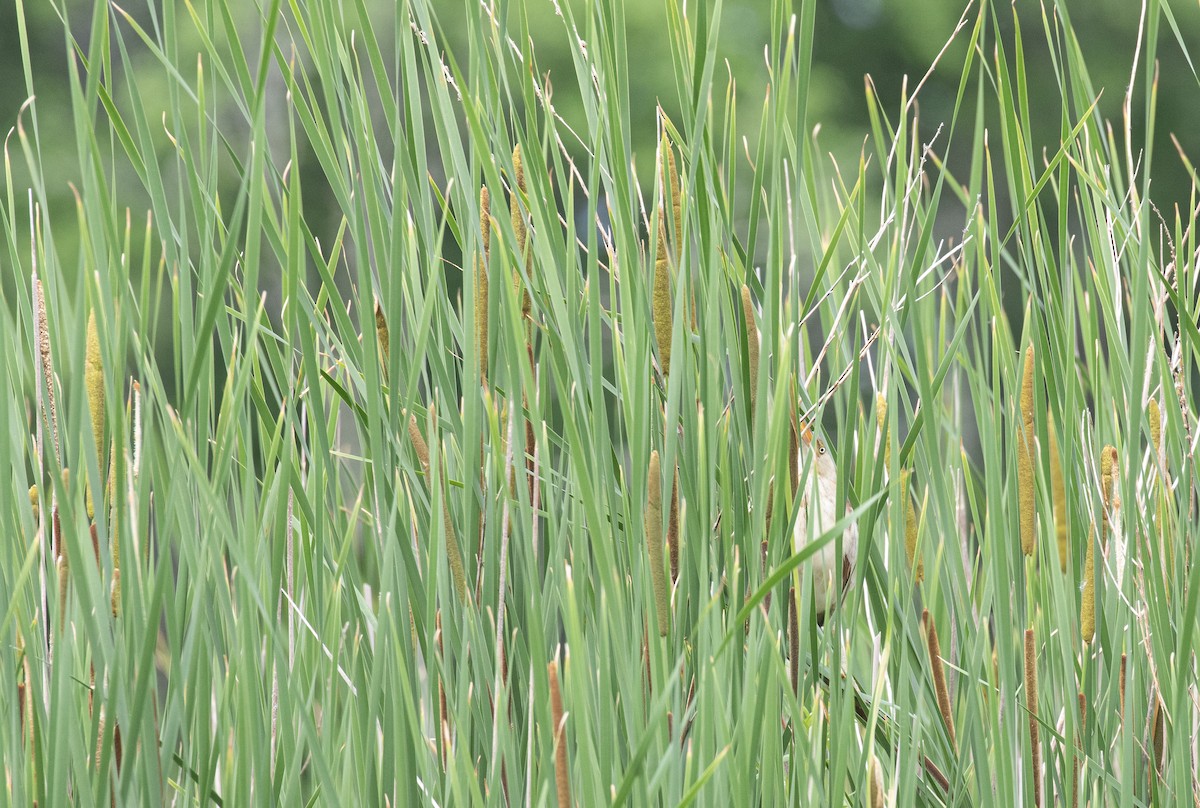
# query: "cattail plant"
794, 639
1156, 748
1075, 787
520, 227
381, 334
751, 344
662, 309
875, 790
1161, 488
1109, 469
93, 377
885, 432
562, 780
1058, 493
1031, 704
1025, 482
453, 555
1087, 609
654, 542
1108, 474
939, 677
911, 528
481, 282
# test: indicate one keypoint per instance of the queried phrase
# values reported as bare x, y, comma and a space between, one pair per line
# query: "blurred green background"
888, 42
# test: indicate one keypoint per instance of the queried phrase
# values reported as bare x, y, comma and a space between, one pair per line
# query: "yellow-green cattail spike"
481, 282
520, 226
751, 343
93, 379
911, 528
93, 376
1108, 471
381, 333
1025, 459
1087, 610
453, 555
1058, 492
881, 408
1155, 416
654, 542
663, 313
672, 184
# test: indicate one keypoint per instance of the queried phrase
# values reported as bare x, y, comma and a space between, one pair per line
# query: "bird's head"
822, 460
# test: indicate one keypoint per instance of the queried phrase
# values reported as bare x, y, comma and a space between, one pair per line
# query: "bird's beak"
806, 434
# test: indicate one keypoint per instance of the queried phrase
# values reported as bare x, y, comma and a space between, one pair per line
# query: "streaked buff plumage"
818, 486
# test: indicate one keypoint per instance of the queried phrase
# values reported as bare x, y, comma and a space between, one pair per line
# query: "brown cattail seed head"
1031, 703
562, 780
751, 343
381, 333
939, 676
1025, 458
875, 790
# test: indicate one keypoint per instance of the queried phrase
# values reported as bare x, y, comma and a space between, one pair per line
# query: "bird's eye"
820, 448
